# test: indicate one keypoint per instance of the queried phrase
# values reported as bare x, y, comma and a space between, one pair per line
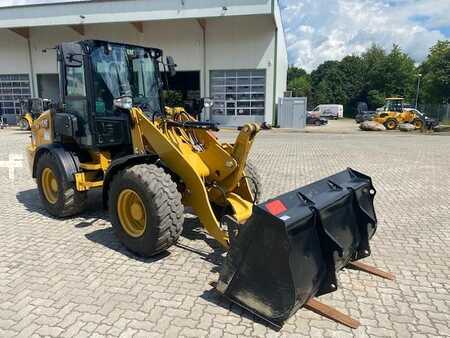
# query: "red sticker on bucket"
276, 207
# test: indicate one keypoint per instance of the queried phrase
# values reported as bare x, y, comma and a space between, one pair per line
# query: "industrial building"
232, 51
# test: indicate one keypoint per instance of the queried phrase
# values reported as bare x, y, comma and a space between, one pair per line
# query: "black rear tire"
418, 123
69, 201
161, 201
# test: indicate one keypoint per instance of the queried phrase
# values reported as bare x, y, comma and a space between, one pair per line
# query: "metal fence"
439, 112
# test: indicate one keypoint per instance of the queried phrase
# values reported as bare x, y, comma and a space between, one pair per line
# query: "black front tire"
254, 180
162, 204
69, 201
391, 124
24, 125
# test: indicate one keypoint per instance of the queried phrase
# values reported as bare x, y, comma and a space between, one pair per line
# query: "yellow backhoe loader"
111, 131
31, 109
394, 113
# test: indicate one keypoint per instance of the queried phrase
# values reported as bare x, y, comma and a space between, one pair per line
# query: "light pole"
418, 88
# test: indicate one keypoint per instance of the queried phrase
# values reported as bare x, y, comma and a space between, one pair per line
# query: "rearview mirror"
72, 54
208, 102
123, 102
74, 60
195, 107
172, 66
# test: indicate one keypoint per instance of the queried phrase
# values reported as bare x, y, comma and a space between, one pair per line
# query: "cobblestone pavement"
73, 278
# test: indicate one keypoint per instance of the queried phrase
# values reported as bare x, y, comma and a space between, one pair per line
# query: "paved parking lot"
73, 278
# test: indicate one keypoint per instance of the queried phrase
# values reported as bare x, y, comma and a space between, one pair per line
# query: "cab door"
72, 119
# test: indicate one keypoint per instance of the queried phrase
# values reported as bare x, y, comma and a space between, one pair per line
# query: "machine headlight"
123, 102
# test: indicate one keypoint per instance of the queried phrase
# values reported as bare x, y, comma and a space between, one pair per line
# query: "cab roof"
157, 52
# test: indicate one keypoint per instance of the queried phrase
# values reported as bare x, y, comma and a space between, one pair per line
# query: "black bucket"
291, 247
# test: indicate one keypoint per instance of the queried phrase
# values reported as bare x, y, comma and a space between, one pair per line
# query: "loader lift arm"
222, 170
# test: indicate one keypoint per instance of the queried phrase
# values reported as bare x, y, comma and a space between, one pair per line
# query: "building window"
13, 89
238, 92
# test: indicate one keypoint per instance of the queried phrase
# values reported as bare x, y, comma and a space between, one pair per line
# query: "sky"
320, 30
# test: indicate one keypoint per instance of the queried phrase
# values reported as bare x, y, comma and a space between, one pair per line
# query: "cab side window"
75, 81
76, 101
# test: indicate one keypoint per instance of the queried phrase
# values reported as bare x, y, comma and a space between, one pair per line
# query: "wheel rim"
132, 213
418, 124
391, 124
49, 185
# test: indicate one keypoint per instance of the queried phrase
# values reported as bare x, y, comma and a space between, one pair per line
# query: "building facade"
232, 51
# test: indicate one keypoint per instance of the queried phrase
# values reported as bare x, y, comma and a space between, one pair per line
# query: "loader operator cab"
394, 104
100, 81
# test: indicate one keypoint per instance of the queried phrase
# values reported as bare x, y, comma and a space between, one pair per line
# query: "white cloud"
320, 30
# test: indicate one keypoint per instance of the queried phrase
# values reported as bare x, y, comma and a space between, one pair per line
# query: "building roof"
18, 3
34, 13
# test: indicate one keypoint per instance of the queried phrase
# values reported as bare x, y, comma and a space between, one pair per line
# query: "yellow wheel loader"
395, 113
31, 109
112, 131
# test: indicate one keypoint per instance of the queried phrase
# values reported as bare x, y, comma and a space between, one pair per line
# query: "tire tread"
251, 171
73, 203
166, 204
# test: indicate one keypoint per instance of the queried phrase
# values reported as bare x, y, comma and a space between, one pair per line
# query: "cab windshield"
124, 71
393, 105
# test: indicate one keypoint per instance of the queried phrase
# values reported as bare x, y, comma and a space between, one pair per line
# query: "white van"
334, 111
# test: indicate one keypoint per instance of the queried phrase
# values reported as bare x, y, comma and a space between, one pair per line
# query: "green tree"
328, 84
373, 76
353, 69
399, 74
375, 99
373, 60
374, 56
390, 74
300, 86
294, 72
436, 74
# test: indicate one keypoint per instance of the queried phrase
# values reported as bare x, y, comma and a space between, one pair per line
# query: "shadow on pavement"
31, 200
193, 231
93, 213
217, 299
107, 238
